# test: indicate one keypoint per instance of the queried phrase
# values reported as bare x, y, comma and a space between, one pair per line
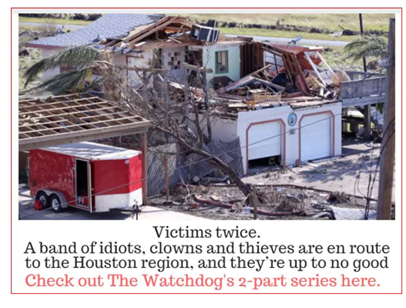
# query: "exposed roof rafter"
73, 118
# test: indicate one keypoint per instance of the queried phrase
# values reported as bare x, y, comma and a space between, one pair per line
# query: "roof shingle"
107, 26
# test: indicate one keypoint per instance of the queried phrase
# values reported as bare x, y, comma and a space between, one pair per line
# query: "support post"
254, 198
387, 159
367, 108
361, 28
187, 93
367, 122
206, 102
166, 177
144, 169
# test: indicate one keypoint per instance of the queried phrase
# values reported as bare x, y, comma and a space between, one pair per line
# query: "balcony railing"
363, 89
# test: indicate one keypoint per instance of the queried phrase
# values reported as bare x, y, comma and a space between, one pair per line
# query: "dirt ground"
346, 176
349, 173
285, 203
27, 212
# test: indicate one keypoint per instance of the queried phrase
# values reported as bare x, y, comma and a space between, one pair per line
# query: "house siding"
209, 60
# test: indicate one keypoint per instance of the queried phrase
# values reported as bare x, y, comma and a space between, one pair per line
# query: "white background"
272, 232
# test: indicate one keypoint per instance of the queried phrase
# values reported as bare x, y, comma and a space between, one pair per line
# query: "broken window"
221, 62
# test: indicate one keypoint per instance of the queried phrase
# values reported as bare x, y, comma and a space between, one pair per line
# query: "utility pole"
367, 108
387, 158
361, 28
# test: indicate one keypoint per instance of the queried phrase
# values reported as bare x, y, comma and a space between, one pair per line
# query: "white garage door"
316, 140
264, 140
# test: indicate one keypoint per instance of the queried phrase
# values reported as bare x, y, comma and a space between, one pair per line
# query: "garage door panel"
316, 140
264, 140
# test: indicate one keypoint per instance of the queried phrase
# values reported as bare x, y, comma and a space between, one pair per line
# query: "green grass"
280, 33
38, 29
331, 22
64, 21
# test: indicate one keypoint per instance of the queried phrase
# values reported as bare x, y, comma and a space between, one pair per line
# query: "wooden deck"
363, 89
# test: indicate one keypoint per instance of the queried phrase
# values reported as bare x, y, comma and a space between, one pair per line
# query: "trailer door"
83, 184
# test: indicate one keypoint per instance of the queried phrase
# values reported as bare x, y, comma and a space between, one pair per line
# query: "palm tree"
368, 46
84, 60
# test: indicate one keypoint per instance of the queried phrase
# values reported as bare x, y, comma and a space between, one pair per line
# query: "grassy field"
280, 33
334, 56
331, 22
39, 29
64, 21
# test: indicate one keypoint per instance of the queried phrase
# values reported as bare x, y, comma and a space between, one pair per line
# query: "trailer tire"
43, 197
55, 203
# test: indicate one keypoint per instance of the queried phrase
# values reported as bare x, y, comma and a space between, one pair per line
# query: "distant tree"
368, 46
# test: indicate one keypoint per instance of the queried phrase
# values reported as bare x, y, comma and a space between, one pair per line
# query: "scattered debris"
24, 52
338, 197
292, 202
214, 198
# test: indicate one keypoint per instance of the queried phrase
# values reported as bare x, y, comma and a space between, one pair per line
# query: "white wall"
133, 60
143, 61
169, 53
223, 129
209, 60
291, 140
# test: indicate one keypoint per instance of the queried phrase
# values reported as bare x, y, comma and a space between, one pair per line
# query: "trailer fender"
58, 193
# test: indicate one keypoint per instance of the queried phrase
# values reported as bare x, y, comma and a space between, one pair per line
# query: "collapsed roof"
170, 31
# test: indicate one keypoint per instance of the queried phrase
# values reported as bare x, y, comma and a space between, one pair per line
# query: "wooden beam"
82, 122
131, 37
41, 142
59, 108
148, 33
361, 102
144, 168
166, 177
387, 159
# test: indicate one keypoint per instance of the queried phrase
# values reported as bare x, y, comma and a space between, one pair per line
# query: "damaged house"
284, 113
167, 42
283, 102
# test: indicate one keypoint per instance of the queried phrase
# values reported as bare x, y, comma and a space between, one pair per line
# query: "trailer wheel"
43, 197
56, 203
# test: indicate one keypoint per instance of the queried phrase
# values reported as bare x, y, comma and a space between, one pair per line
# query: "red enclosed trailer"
89, 176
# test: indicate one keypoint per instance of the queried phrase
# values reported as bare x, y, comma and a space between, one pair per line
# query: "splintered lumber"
248, 80
232, 207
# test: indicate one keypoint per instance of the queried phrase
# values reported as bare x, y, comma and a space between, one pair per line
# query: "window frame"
218, 65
